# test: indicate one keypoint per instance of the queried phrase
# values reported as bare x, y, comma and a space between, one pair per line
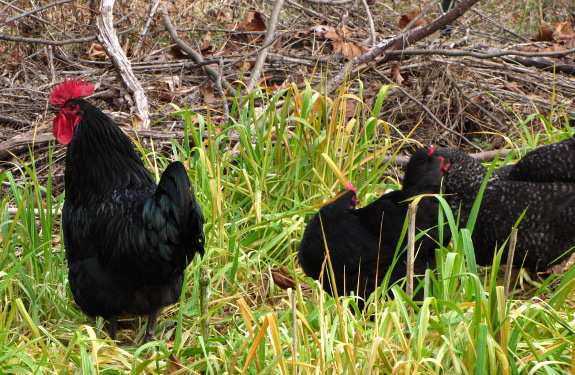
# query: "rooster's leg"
113, 327
149, 336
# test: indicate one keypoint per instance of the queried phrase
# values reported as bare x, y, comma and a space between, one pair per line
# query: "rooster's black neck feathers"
107, 161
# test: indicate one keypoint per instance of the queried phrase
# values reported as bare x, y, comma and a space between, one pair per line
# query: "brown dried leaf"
254, 21
348, 49
281, 278
175, 365
406, 19
565, 34
97, 52
544, 34
554, 48
175, 52
396, 75
208, 93
564, 30
321, 31
218, 15
206, 44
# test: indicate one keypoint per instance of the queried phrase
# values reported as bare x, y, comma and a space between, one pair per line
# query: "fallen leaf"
396, 75
565, 34
208, 93
281, 278
97, 52
406, 19
321, 31
253, 22
175, 365
206, 44
348, 49
544, 34
163, 55
554, 48
218, 14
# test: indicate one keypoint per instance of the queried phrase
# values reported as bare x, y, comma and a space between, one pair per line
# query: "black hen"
128, 240
362, 242
550, 163
545, 232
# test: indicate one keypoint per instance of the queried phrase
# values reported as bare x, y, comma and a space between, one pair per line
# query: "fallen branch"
109, 40
12, 120
198, 58
269, 37
542, 63
400, 42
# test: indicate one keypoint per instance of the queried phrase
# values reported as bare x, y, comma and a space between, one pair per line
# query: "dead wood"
400, 42
107, 36
550, 65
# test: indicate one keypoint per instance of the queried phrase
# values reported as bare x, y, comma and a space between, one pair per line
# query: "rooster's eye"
73, 106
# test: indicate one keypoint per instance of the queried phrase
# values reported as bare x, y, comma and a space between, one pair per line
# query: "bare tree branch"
109, 40
198, 58
270, 36
400, 42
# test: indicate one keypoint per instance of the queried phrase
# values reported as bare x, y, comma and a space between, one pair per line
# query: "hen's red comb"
349, 186
70, 89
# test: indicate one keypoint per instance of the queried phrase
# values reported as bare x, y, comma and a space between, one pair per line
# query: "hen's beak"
53, 109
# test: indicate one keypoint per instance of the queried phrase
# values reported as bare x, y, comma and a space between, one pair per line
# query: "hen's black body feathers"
362, 242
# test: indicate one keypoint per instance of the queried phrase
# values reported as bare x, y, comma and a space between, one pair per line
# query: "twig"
33, 11
195, 55
146, 27
50, 57
44, 41
480, 108
109, 40
485, 156
221, 92
204, 297
455, 52
329, 2
12, 120
510, 256
429, 113
410, 249
59, 42
269, 37
503, 28
373, 39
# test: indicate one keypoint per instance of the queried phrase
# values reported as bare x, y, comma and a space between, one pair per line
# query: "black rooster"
128, 240
362, 242
544, 233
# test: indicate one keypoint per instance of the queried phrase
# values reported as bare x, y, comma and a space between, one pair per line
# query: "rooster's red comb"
70, 89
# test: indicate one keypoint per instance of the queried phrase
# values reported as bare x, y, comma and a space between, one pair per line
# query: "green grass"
258, 179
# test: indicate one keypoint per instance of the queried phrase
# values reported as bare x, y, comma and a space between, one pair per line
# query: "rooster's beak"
53, 109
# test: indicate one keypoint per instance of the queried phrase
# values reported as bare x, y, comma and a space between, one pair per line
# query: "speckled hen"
545, 232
